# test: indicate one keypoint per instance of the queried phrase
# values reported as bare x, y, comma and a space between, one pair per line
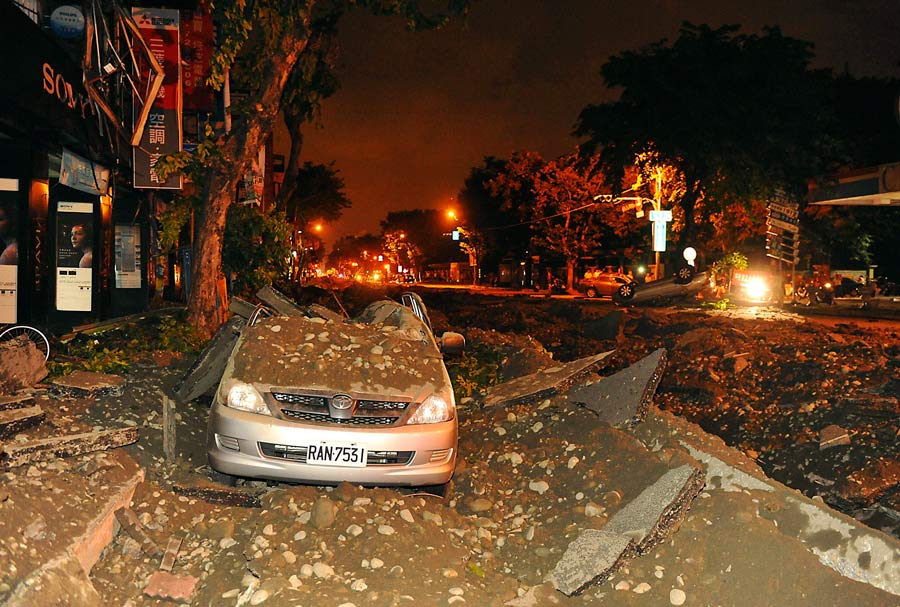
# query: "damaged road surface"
571, 487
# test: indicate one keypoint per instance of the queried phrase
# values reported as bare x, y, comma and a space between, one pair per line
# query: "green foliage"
476, 369
719, 304
736, 115
256, 248
178, 336
90, 355
732, 261
476, 569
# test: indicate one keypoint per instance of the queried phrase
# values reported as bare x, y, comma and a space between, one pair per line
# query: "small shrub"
178, 336
477, 369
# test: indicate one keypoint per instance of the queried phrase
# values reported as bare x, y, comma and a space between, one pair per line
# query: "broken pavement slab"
18, 401
83, 383
623, 397
14, 421
19, 454
43, 535
206, 370
544, 383
591, 559
278, 302
645, 521
658, 510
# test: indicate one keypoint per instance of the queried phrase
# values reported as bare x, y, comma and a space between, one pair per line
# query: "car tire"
221, 478
591, 292
626, 292
684, 275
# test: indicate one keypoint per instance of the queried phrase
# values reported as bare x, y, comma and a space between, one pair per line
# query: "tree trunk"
570, 274
240, 147
293, 121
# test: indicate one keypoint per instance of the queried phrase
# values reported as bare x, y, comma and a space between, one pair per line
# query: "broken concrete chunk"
833, 436
171, 587
648, 518
64, 446
623, 397
21, 364
319, 311
544, 383
207, 370
241, 307
591, 558
130, 523
81, 383
168, 560
15, 402
15, 420
279, 302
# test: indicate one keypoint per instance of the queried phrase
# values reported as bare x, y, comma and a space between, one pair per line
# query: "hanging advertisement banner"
128, 256
162, 133
197, 39
9, 250
83, 174
74, 256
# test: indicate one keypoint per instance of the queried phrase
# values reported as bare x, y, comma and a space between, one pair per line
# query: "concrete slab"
42, 535
544, 383
81, 383
623, 397
591, 559
649, 517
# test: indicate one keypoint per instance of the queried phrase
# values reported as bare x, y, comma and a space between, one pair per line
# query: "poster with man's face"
74, 255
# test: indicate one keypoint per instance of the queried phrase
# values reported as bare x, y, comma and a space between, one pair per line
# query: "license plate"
336, 454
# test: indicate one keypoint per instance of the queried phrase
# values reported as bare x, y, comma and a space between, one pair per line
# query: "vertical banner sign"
9, 249
162, 133
197, 36
660, 219
128, 257
74, 255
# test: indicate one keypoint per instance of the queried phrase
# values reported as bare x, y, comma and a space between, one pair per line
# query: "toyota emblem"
342, 402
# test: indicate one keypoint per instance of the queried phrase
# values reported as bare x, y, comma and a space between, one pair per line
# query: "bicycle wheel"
34, 335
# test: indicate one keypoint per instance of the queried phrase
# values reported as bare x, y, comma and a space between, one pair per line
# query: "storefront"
71, 234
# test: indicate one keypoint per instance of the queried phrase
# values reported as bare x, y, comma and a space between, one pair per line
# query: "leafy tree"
424, 242
256, 248
737, 116
264, 44
557, 200
355, 254
500, 225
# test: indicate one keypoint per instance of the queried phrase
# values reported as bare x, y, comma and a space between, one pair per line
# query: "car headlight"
243, 397
436, 408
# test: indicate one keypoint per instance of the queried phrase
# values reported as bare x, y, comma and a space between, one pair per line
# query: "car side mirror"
452, 343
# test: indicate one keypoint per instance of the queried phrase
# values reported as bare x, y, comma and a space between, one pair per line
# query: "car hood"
339, 356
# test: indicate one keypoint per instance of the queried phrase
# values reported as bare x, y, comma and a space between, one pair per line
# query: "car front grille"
301, 399
314, 408
373, 458
324, 418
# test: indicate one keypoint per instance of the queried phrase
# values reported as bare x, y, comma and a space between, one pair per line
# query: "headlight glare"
433, 409
243, 397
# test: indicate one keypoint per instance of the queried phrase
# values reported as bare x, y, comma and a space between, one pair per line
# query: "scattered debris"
169, 428
623, 397
12, 455
15, 402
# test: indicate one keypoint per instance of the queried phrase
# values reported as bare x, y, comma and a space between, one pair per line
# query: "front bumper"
234, 441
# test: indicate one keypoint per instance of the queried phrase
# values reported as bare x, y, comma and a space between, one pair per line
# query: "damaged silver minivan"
322, 399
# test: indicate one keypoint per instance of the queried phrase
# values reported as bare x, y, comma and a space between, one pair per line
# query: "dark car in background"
603, 284
684, 282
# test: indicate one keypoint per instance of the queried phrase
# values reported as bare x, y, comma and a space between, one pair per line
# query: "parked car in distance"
322, 399
603, 284
684, 282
